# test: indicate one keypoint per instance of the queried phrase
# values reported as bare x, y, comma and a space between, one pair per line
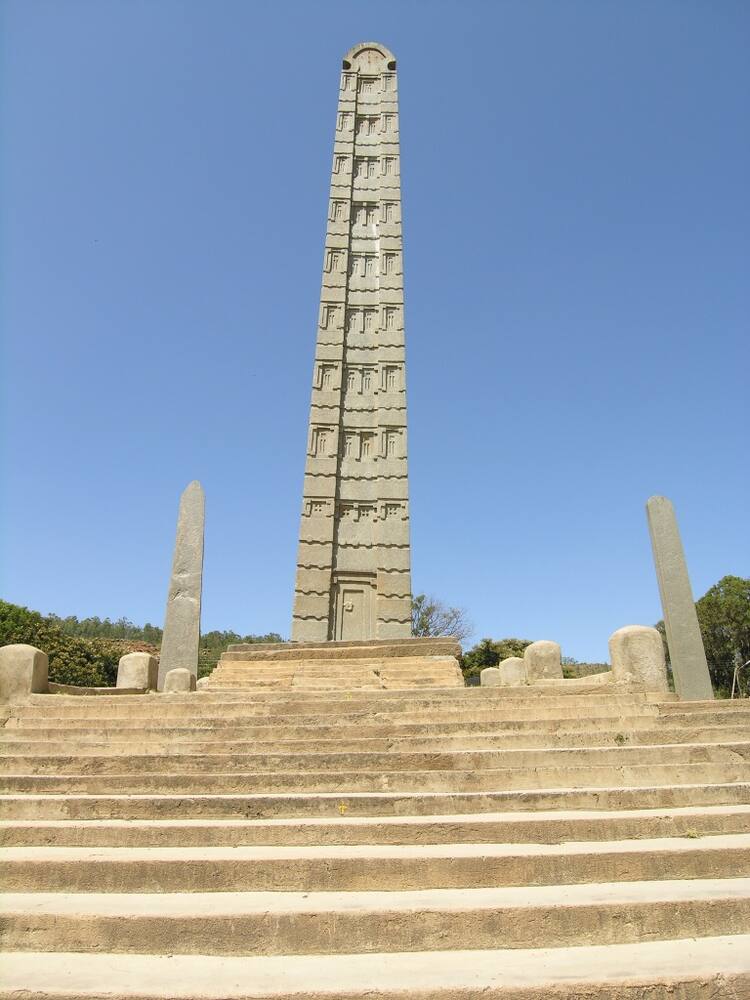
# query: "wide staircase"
418, 843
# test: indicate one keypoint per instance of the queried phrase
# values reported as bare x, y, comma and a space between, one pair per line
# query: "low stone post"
138, 670
637, 656
687, 656
490, 677
182, 622
543, 661
512, 671
23, 671
179, 681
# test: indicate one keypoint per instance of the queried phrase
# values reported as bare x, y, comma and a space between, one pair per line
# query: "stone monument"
686, 654
353, 565
179, 646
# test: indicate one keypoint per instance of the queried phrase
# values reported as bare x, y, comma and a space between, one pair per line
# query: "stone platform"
374, 664
509, 843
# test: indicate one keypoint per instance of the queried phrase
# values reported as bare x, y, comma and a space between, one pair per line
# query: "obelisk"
686, 654
182, 621
353, 565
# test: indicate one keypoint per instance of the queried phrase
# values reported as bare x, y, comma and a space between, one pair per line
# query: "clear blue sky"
577, 236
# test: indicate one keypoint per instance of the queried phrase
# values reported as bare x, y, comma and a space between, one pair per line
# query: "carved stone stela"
353, 564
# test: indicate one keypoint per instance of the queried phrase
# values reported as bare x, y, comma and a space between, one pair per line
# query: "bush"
72, 660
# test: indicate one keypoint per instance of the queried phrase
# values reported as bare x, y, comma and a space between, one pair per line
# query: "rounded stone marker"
23, 671
637, 655
179, 680
201, 683
543, 661
137, 670
512, 671
490, 677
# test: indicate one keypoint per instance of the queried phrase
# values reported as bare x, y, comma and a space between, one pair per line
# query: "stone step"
363, 804
145, 762
298, 729
369, 867
345, 781
478, 828
158, 741
305, 923
682, 969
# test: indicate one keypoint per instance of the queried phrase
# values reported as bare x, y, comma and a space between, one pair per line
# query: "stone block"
637, 655
179, 680
543, 661
490, 677
201, 683
512, 672
23, 671
137, 670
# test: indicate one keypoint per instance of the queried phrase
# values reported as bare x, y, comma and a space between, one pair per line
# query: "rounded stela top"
369, 56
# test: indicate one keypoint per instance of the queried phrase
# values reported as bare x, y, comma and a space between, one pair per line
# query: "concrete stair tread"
188, 855
615, 971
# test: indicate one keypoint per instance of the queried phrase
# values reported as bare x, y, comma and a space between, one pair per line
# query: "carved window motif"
367, 380
338, 211
340, 164
321, 441
328, 316
364, 214
348, 510
389, 317
390, 444
366, 167
390, 378
368, 444
391, 510
390, 261
344, 121
352, 320
389, 166
367, 125
352, 379
388, 123
317, 507
388, 211
348, 81
389, 83
369, 85
334, 261
370, 316
363, 265
366, 511
325, 376
351, 445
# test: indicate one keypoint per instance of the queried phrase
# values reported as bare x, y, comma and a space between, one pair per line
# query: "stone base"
370, 664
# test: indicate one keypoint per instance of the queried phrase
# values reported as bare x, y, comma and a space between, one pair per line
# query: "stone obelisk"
686, 654
182, 621
353, 565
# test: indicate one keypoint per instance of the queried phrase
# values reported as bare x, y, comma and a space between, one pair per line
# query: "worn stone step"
274, 923
157, 741
372, 762
369, 867
479, 828
124, 806
266, 728
688, 969
344, 781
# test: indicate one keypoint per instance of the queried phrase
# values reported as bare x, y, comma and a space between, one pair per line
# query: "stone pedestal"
23, 671
543, 661
138, 670
637, 656
512, 671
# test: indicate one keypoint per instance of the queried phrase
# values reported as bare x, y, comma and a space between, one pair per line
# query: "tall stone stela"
353, 567
687, 656
182, 620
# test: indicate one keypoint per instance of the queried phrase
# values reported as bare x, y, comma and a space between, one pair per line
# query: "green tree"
724, 620
430, 617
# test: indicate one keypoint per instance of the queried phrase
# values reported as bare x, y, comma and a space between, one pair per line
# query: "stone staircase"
426, 843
